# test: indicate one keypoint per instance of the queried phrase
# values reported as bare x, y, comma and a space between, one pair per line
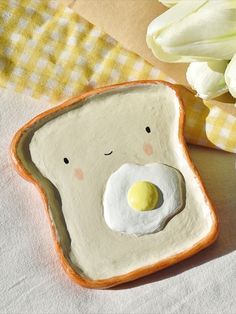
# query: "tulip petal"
169, 3
207, 78
230, 76
195, 31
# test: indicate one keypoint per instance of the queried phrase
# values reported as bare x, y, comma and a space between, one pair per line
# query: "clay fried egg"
141, 199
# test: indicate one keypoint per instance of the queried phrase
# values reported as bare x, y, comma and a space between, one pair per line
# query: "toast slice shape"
65, 152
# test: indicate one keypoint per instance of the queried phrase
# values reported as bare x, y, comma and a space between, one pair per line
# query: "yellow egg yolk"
143, 196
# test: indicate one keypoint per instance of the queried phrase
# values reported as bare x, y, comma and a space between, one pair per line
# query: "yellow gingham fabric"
221, 129
49, 51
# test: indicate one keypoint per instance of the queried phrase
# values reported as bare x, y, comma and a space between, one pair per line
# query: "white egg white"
119, 216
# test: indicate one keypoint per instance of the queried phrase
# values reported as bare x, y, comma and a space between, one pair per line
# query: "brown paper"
127, 21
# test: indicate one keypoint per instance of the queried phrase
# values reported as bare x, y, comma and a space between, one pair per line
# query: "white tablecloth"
32, 279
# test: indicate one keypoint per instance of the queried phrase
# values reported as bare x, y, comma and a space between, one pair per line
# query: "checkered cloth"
49, 51
221, 129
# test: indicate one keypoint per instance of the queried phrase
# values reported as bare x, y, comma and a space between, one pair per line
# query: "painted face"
80, 150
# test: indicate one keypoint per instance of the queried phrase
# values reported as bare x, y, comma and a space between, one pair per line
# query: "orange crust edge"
143, 271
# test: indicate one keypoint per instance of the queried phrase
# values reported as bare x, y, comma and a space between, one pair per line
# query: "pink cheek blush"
147, 148
79, 174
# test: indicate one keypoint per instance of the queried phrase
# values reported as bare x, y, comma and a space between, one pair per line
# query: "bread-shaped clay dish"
122, 195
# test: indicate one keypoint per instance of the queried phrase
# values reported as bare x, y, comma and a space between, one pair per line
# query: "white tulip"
169, 3
230, 76
207, 78
198, 30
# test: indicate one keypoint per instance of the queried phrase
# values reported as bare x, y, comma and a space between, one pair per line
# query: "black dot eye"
66, 161
148, 130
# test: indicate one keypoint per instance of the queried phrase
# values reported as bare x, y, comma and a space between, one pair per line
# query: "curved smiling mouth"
107, 154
